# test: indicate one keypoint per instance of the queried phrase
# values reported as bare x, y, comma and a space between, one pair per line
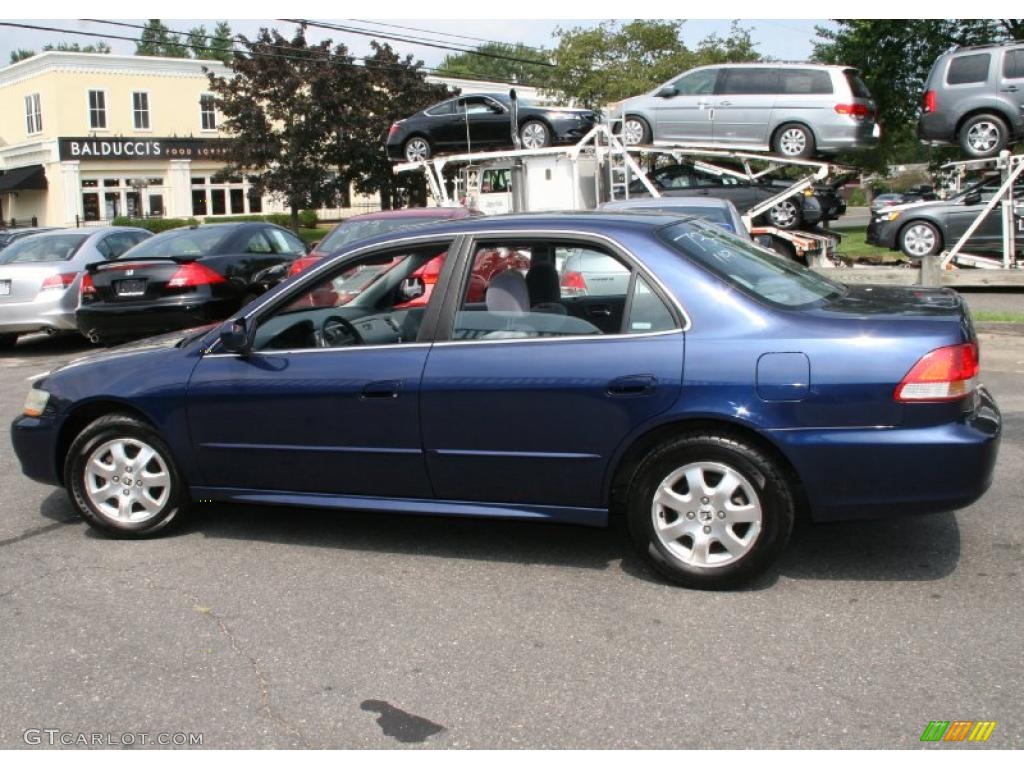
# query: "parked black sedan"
484, 121
180, 278
817, 205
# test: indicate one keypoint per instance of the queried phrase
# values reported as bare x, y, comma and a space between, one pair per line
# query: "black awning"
29, 177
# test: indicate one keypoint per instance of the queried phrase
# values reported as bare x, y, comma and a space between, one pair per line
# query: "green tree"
398, 88
157, 40
100, 47
894, 59
483, 65
599, 65
214, 46
20, 54
294, 110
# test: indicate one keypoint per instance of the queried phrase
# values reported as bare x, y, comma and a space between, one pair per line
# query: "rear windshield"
968, 69
200, 241
350, 231
42, 248
766, 276
857, 86
714, 215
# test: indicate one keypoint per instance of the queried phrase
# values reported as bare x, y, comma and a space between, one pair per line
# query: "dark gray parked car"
975, 97
927, 227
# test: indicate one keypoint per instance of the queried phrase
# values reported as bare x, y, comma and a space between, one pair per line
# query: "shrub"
154, 225
857, 198
308, 219
281, 219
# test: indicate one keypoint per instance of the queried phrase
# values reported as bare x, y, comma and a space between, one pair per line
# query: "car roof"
453, 212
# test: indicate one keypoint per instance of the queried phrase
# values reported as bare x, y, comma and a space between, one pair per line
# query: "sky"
790, 39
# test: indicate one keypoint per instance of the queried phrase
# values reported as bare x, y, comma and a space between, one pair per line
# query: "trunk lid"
133, 280
22, 282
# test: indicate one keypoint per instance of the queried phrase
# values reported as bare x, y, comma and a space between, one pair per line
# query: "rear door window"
857, 86
969, 69
804, 81
750, 81
1013, 64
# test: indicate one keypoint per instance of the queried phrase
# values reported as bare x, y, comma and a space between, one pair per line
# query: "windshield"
42, 248
200, 241
350, 231
756, 271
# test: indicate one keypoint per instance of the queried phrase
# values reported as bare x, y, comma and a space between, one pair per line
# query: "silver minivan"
795, 110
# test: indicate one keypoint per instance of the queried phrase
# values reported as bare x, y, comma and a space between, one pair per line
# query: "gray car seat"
544, 289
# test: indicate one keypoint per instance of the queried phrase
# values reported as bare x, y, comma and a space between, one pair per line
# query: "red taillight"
86, 289
62, 281
946, 373
857, 111
573, 284
192, 275
928, 102
303, 263
393, 130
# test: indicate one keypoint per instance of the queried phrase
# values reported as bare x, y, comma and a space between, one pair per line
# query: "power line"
367, 63
417, 41
445, 34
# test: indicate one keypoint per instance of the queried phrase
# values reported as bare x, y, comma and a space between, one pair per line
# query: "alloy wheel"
127, 480
919, 240
793, 141
983, 136
534, 136
633, 133
707, 514
417, 150
784, 214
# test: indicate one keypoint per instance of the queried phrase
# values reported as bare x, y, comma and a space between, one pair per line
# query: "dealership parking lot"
274, 628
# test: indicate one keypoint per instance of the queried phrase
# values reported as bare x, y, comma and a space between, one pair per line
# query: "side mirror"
411, 288
667, 92
972, 199
236, 336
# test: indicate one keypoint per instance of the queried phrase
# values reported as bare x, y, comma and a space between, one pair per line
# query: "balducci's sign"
88, 148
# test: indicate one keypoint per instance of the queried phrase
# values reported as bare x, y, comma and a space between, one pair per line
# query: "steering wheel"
338, 332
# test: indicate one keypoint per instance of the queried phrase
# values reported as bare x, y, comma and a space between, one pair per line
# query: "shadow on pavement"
41, 345
919, 548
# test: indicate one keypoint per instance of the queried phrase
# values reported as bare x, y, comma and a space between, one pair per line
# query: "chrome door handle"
725, 103
1010, 88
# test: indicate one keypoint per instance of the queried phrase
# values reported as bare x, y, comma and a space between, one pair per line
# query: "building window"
97, 109
140, 110
33, 114
208, 112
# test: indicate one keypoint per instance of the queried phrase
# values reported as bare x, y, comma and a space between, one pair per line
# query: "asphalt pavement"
261, 627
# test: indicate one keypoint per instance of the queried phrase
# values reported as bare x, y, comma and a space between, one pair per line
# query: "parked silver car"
795, 110
40, 276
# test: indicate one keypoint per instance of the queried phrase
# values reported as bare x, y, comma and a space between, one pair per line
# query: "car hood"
136, 349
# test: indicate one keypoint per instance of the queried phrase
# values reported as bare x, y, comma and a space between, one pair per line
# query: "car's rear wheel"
784, 215
8, 340
636, 131
710, 511
533, 134
793, 140
417, 149
919, 239
123, 480
983, 136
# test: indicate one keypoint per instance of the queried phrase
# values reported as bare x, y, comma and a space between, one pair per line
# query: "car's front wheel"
983, 136
919, 239
122, 478
710, 511
784, 215
417, 149
533, 134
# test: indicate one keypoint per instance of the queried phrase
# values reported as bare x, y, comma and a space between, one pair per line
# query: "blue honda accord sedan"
688, 380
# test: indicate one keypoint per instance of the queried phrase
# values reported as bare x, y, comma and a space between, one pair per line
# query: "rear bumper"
853, 474
126, 320
849, 134
43, 313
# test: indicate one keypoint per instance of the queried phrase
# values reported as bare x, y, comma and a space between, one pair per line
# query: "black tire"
793, 140
539, 133
646, 135
418, 141
766, 481
787, 250
984, 135
786, 214
122, 427
8, 340
919, 230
